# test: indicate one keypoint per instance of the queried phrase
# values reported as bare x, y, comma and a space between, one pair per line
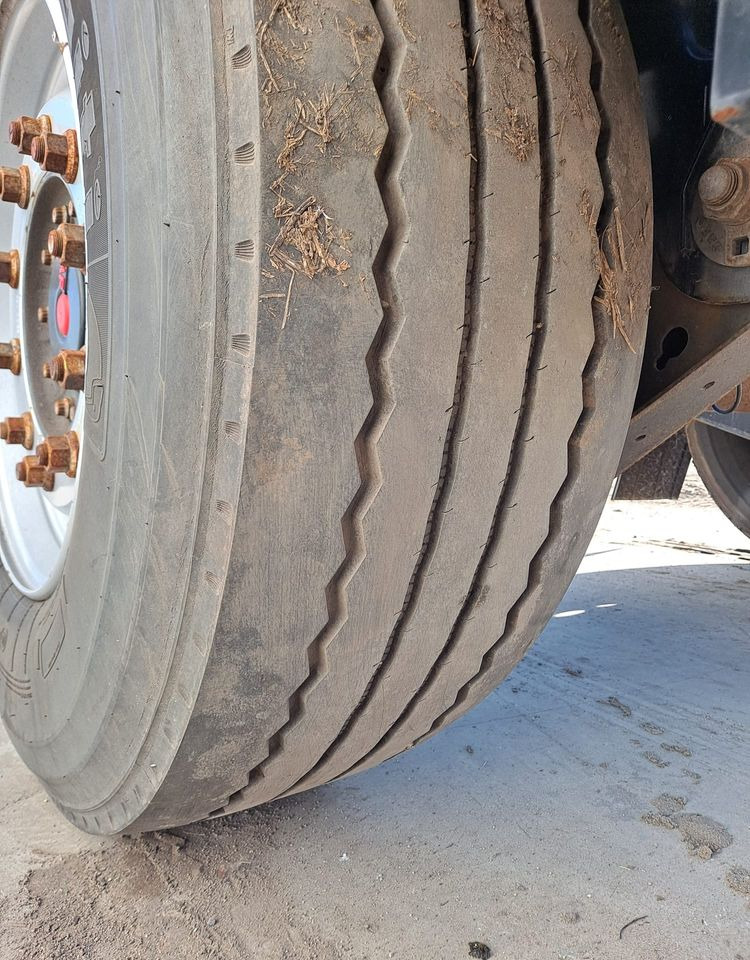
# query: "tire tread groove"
589, 400
536, 345
385, 266
466, 360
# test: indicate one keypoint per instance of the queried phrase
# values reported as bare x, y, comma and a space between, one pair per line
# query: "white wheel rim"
36, 78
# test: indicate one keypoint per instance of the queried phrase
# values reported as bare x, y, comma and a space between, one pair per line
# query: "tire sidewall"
722, 460
143, 576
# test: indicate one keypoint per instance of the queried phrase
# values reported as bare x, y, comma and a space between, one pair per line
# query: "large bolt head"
67, 368
10, 268
724, 190
10, 357
15, 185
68, 242
33, 474
22, 131
717, 184
59, 454
57, 153
18, 430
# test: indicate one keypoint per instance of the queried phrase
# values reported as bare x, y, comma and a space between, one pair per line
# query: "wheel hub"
42, 301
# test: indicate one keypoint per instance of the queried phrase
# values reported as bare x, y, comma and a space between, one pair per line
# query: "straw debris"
304, 241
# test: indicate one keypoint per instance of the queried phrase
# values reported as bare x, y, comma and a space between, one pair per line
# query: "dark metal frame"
698, 343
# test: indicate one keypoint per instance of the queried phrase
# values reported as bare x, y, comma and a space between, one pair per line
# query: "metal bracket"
704, 384
698, 339
732, 414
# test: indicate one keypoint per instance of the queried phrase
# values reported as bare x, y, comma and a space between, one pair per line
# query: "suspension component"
60, 454
10, 357
57, 153
18, 430
67, 368
15, 185
32, 474
23, 130
10, 268
68, 242
724, 190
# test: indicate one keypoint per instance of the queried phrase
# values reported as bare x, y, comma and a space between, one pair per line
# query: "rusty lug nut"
64, 407
18, 430
10, 357
724, 190
60, 214
32, 474
15, 185
57, 153
23, 130
46, 258
67, 368
68, 242
10, 268
59, 454
42, 314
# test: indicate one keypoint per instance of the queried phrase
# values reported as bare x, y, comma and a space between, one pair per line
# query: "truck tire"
722, 460
364, 362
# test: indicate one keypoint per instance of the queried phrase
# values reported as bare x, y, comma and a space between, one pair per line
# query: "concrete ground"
596, 806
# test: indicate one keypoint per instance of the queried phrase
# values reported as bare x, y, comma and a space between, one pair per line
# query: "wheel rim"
722, 460
38, 497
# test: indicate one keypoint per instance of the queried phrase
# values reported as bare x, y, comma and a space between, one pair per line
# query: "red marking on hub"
62, 314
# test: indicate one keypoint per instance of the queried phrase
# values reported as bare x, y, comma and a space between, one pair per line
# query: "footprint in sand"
702, 835
738, 880
652, 728
677, 748
656, 759
618, 705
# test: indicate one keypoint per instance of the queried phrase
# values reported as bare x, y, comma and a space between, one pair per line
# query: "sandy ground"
596, 806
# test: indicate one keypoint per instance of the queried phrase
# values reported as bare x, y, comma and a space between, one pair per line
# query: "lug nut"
22, 131
46, 258
18, 430
10, 357
59, 454
10, 268
724, 190
32, 474
68, 242
57, 153
67, 368
64, 407
60, 214
42, 314
15, 185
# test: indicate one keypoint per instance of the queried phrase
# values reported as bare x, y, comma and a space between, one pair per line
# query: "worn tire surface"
441, 212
